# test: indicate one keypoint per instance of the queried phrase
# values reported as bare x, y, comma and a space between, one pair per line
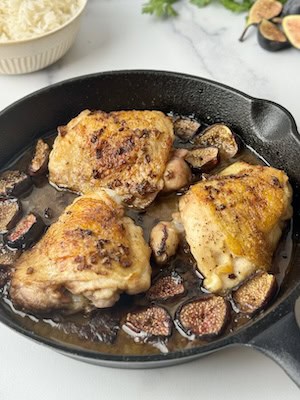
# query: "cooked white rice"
25, 19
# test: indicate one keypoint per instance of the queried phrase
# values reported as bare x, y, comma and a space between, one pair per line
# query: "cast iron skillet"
265, 126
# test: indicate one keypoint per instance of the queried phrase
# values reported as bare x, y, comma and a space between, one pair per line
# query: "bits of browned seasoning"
149, 323
205, 317
166, 287
255, 294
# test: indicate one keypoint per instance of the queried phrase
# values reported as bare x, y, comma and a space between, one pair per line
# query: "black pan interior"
266, 127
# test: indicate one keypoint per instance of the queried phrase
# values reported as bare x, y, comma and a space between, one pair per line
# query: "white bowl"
28, 55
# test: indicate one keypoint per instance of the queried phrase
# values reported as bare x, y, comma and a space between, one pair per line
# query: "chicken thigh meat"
86, 259
233, 222
126, 151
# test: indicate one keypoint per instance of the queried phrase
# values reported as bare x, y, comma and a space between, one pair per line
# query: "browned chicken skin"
126, 151
86, 259
233, 222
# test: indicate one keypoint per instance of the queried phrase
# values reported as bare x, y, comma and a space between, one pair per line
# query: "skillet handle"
281, 342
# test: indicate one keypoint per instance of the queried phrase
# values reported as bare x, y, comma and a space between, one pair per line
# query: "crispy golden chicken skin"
86, 259
126, 151
233, 222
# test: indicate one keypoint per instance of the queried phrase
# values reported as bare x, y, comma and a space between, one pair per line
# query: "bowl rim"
83, 4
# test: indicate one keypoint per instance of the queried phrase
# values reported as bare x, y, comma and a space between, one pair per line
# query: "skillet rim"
244, 334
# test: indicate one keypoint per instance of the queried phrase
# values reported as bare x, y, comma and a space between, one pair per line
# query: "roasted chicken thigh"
233, 222
126, 151
86, 259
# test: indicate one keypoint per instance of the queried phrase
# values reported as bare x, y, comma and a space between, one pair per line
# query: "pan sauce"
46, 197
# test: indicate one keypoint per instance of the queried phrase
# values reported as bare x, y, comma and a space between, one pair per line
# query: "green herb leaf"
200, 3
160, 8
237, 6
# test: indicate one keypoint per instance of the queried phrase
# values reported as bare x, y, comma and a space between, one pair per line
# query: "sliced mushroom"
220, 136
10, 212
255, 294
148, 323
186, 128
177, 173
204, 318
166, 287
203, 158
164, 240
14, 183
26, 233
39, 163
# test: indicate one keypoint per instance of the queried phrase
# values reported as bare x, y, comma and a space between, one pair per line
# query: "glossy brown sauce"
46, 197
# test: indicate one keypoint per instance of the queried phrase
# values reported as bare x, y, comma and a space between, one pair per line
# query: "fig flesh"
166, 287
39, 163
205, 317
261, 9
14, 183
10, 212
221, 137
185, 128
254, 294
291, 27
270, 37
203, 159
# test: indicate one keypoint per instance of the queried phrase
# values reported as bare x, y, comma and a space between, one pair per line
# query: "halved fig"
148, 323
39, 162
205, 317
186, 128
255, 294
270, 37
100, 327
26, 233
164, 240
10, 212
220, 136
203, 158
14, 183
261, 9
166, 287
291, 27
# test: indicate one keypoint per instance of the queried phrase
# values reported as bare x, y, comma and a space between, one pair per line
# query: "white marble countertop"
114, 35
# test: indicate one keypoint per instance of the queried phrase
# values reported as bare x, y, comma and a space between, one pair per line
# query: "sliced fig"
270, 37
100, 327
26, 233
186, 128
10, 212
220, 136
164, 240
255, 294
14, 183
148, 323
166, 287
204, 158
39, 162
291, 27
205, 317
261, 9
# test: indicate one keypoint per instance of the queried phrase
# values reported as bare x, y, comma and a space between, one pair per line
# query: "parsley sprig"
164, 8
